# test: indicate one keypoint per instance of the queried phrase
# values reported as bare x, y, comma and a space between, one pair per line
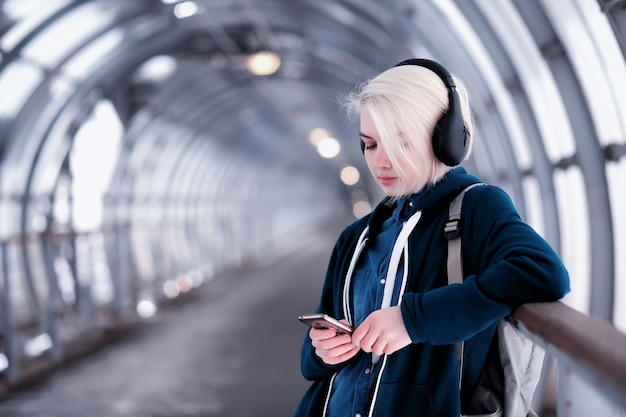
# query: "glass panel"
610, 54
535, 76
92, 160
67, 33
83, 63
17, 83
35, 262
10, 213
28, 135
102, 290
62, 207
573, 214
615, 176
156, 69
29, 14
595, 55
482, 58
20, 297
55, 144
534, 213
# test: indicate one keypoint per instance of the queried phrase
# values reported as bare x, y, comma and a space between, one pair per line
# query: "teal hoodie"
506, 264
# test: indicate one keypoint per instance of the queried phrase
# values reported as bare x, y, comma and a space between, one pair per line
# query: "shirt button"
367, 371
357, 415
382, 281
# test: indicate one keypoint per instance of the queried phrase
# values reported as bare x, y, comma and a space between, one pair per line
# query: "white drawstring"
400, 247
346, 286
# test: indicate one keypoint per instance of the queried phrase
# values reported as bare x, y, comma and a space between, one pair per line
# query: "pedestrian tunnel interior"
148, 145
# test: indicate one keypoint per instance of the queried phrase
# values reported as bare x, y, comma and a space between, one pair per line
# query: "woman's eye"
370, 146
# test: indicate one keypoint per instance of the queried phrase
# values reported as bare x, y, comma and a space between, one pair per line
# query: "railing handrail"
591, 347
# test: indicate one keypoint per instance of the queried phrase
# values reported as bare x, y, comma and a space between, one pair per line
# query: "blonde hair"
405, 103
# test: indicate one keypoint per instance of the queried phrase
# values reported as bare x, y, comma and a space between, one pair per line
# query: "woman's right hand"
332, 348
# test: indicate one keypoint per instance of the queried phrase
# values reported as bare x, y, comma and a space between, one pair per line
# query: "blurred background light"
328, 147
146, 309
263, 63
350, 175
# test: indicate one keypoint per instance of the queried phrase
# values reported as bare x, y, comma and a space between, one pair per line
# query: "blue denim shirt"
354, 383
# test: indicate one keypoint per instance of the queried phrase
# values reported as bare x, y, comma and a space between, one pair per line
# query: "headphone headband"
435, 67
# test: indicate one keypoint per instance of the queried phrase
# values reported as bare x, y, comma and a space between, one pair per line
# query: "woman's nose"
382, 160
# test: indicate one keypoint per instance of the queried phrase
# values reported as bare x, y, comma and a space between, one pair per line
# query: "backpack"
507, 383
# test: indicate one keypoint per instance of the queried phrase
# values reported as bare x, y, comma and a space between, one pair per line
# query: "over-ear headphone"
451, 138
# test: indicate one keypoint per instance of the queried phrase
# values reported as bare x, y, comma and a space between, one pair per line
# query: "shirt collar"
407, 205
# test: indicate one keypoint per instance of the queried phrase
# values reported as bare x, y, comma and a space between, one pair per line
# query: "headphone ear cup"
451, 138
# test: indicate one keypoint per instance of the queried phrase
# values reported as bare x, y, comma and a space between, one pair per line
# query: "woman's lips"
386, 180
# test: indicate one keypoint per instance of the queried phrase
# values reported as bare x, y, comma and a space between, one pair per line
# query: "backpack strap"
452, 234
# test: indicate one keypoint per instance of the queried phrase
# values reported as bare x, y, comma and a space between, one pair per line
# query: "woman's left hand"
383, 331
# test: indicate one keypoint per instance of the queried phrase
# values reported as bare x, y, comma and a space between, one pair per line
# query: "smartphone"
324, 321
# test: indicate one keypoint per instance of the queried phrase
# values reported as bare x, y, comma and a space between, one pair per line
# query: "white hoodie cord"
401, 246
347, 282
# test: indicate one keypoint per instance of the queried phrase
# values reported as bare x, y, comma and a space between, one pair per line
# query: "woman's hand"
383, 331
332, 348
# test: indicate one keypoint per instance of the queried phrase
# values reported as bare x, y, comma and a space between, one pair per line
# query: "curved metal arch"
590, 156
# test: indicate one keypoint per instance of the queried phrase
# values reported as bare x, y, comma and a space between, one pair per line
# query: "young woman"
401, 359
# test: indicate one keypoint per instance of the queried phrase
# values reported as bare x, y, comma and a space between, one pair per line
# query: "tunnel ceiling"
193, 125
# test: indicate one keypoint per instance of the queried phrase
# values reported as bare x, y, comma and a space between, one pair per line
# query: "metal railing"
590, 356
